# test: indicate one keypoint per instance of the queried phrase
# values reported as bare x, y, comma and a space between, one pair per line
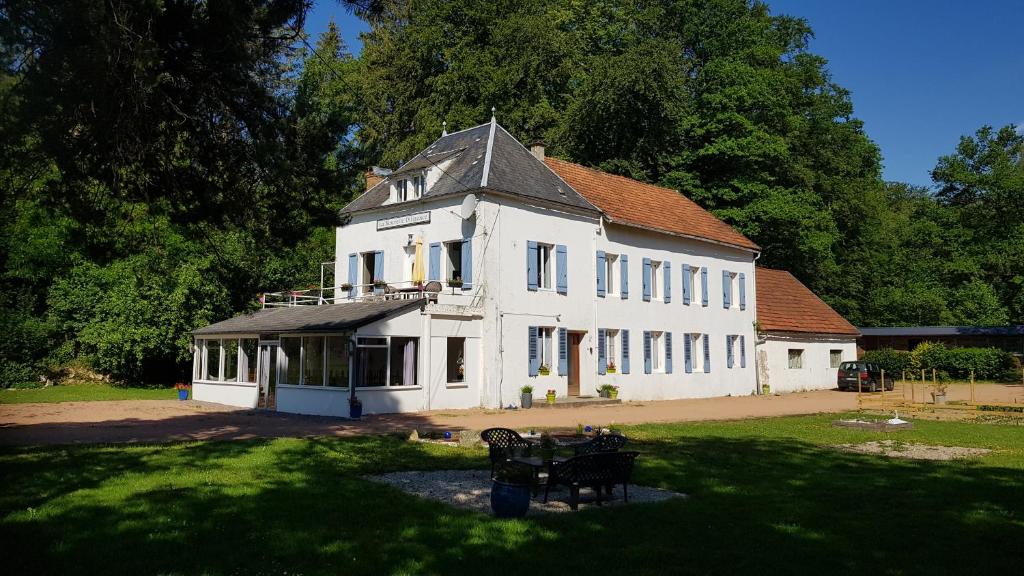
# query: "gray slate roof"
326, 318
944, 331
511, 169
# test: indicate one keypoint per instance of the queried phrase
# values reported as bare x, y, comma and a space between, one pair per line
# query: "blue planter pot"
355, 411
182, 394
510, 500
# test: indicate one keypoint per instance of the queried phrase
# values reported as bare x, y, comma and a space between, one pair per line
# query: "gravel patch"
471, 489
914, 451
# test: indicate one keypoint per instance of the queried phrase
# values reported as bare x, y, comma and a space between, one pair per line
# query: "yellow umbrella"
418, 276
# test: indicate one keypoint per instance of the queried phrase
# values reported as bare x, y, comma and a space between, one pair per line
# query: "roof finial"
444, 128
493, 110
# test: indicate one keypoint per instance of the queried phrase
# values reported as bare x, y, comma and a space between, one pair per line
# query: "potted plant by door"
183, 389
605, 390
544, 370
766, 389
355, 408
613, 392
526, 396
510, 490
550, 396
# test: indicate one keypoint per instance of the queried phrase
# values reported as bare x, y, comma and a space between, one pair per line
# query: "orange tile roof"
632, 203
784, 304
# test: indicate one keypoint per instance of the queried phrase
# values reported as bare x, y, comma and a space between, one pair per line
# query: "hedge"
986, 363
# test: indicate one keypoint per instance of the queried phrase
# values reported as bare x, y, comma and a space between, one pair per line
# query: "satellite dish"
468, 209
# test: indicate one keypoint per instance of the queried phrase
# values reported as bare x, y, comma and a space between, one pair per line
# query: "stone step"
575, 402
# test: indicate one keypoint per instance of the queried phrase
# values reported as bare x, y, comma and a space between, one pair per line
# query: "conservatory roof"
326, 318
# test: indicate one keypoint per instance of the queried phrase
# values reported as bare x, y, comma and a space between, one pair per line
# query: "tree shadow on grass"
302, 506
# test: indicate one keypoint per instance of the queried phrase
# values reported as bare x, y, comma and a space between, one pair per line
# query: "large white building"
531, 270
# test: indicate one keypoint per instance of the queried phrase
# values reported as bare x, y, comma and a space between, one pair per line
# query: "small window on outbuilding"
456, 360
796, 358
835, 358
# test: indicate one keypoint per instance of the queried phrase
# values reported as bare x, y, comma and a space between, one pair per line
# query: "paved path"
171, 420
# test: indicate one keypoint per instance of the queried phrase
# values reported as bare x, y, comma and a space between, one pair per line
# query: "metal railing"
405, 290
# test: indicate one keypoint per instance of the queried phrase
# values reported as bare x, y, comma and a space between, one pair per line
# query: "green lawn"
767, 496
83, 393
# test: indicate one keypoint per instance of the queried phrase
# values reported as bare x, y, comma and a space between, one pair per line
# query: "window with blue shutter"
625, 351
726, 289
707, 353
533, 352
602, 347
647, 352
728, 351
647, 280
561, 270
601, 288
435, 262
743, 352
704, 286
563, 352
531, 265
743, 291
667, 293
668, 352
378, 265
687, 281
467, 263
624, 276
353, 274
688, 353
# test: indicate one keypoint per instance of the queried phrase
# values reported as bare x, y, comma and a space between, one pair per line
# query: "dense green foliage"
759, 491
147, 194
959, 363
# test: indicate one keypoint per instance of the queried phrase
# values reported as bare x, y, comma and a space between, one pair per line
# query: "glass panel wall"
403, 361
212, 369
337, 361
291, 357
230, 360
249, 357
313, 361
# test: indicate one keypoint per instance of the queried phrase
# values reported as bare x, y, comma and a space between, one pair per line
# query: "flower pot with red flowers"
183, 389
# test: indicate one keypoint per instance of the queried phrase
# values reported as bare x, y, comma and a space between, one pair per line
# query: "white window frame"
611, 335
612, 273
419, 186
449, 264
657, 280
545, 266
402, 190
657, 351
545, 335
734, 290
799, 357
447, 348
696, 351
387, 372
832, 364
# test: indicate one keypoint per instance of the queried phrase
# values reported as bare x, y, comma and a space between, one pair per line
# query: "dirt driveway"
171, 420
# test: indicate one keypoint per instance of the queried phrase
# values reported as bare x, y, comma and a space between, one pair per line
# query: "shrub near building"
986, 363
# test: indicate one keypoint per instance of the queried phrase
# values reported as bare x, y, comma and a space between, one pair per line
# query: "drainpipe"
757, 337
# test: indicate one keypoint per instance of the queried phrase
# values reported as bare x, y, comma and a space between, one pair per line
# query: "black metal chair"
504, 444
596, 470
602, 443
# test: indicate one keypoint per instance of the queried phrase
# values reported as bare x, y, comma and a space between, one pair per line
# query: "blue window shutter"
647, 352
467, 263
743, 352
353, 274
534, 353
707, 353
602, 360
435, 262
687, 279
668, 352
531, 265
688, 353
378, 265
728, 351
563, 352
625, 276
726, 289
647, 279
743, 291
625, 351
704, 286
561, 269
668, 282
601, 288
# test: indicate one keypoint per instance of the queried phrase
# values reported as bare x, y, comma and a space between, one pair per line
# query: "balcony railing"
337, 295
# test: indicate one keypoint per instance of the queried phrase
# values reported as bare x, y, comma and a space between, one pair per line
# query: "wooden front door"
574, 363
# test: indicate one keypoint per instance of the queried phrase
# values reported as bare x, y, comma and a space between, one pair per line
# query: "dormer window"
419, 186
403, 190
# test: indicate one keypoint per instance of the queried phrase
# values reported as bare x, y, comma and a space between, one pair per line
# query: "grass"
767, 496
83, 393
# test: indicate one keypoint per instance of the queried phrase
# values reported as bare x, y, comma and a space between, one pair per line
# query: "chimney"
537, 149
375, 175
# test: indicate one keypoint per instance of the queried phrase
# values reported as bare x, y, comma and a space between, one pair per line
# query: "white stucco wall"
239, 394
816, 374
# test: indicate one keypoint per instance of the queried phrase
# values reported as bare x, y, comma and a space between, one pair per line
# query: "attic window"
402, 187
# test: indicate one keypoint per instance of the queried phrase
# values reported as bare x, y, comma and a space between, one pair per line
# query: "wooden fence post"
903, 383
883, 383
858, 387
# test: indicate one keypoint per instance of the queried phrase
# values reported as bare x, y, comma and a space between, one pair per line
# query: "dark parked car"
870, 377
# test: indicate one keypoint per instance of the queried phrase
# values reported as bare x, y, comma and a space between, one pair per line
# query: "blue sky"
921, 74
